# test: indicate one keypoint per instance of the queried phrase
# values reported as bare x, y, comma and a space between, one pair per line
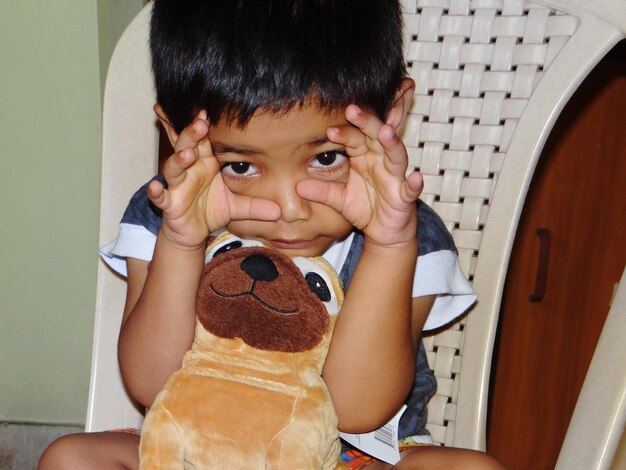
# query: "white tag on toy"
381, 443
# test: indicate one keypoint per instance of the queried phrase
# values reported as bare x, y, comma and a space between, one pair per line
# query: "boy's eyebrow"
221, 148
317, 141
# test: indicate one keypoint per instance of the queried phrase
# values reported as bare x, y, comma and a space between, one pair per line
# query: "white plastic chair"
597, 424
492, 77
130, 138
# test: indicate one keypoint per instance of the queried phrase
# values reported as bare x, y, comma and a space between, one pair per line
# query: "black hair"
234, 57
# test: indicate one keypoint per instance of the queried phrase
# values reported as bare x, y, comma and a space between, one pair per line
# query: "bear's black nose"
259, 268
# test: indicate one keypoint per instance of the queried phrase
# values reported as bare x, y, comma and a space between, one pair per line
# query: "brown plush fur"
249, 394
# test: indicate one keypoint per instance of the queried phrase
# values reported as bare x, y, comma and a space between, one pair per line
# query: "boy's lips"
291, 244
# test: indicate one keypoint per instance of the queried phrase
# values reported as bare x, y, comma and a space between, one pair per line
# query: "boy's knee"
97, 451
447, 458
479, 461
63, 453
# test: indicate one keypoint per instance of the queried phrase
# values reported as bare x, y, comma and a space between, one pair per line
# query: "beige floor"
22, 444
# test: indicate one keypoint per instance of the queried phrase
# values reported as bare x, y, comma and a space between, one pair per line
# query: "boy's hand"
196, 201
378, 198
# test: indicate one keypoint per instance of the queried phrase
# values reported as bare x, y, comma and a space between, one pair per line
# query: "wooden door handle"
542, 266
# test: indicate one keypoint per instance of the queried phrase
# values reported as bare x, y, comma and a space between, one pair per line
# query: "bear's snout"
259, 268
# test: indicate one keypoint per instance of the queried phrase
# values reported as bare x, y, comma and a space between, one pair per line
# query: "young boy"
283, 116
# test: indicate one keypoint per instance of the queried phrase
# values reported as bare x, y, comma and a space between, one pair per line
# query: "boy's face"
267, 159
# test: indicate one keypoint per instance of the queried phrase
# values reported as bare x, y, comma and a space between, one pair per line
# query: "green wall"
113, 17
53, 57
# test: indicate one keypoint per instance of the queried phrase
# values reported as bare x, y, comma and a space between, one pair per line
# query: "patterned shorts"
355, 459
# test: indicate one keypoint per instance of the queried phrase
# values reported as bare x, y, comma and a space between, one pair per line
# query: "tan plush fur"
249, 394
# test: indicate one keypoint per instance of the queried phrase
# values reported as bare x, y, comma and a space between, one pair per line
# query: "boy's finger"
252, 208
351, 138
157, 194
365, 121
387, 144
204, 149
174, 167
192, 135
329, 193
360, 135
413, 186
396, 159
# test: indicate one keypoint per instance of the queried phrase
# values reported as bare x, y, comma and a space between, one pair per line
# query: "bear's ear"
225, 242
323, 281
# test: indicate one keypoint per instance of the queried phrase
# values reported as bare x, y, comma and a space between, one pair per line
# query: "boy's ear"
172, 135
401, 105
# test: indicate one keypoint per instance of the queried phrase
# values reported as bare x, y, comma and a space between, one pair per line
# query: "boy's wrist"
394, 238
170, 240
401, 248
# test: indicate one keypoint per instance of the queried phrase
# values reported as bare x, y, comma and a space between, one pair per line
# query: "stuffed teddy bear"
249, 394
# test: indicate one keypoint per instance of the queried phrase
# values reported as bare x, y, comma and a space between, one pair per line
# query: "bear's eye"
226, 248
318, 286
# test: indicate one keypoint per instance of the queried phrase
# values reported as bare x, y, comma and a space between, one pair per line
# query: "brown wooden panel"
544, 348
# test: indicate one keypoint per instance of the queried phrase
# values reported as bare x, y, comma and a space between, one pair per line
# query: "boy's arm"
371, 362
159, 317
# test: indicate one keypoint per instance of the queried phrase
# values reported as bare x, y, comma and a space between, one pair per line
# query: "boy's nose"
292, 206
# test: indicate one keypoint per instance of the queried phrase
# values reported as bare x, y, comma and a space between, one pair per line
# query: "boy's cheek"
236, 186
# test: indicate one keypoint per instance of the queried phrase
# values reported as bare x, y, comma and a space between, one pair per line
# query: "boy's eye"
238, 169
328, 159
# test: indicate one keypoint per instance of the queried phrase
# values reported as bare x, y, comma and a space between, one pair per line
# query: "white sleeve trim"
439, 274
338, 251
436, 273
133, 241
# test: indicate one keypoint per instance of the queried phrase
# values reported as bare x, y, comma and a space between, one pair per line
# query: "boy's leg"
446, 458
434, 458
99, 450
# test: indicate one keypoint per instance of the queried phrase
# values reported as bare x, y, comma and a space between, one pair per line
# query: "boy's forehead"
310, 110
306, 124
